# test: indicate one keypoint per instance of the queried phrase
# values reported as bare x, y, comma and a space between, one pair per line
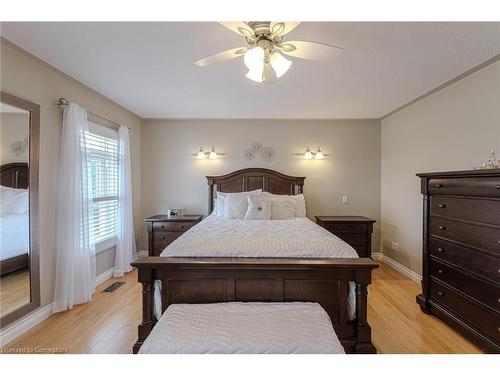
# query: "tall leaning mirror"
19, 238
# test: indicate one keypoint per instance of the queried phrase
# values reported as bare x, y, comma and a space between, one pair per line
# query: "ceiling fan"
264, 54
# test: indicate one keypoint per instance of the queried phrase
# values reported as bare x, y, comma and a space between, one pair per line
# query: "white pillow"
233, 205
301, 206
13, 201
259, 207
287, 206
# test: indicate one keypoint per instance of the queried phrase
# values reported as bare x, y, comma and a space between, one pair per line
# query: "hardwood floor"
14, 291
109, 323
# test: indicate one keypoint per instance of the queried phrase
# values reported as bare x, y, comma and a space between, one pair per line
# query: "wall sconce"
201, 155
318, 155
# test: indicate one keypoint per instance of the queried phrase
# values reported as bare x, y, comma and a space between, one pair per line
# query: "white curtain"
125, 244
75, 268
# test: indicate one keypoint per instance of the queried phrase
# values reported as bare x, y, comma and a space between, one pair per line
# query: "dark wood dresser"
461, 253
162, 230
355, 230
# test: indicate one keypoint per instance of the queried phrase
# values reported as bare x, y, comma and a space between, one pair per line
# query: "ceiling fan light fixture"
279, 64
254, 58
257, 74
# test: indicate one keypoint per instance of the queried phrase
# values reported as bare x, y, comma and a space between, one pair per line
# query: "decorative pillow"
259, 207
13, 201
20, 204
283, 207
286, 206
233, 205
301, 206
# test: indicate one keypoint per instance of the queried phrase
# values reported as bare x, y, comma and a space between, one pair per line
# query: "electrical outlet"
394, 246
345, 199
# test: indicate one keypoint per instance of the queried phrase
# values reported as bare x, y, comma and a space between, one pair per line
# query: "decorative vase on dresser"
461, 252
163, 230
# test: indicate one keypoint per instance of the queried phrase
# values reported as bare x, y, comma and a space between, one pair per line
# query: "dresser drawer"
477, 315
481, 210
482, 264
487, 293
172, 226
474, 186
166, 236
346, 227
353, 239
468, 234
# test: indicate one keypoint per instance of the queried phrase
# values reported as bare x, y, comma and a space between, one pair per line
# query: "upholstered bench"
243, 328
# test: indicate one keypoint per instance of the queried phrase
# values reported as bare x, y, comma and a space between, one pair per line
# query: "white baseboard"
30, 320
106, 275
24, 324
398, 267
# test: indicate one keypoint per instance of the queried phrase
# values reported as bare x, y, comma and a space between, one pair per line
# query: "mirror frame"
34, 241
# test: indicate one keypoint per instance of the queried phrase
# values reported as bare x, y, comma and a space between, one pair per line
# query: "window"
102, 162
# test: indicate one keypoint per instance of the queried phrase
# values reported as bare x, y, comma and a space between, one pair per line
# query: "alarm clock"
175, 212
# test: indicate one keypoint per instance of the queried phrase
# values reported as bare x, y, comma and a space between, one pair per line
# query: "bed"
14, 226
198, 268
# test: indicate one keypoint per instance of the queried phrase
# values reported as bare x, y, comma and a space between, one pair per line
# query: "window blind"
102, 162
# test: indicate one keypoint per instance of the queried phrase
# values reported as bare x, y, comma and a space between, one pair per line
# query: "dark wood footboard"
209, 280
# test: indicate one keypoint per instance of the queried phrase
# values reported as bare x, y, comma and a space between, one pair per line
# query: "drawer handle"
440, 272
441, 205
163, 226
497, 187
442, 227
162, 237
181, 226
440, 293
441, 250
339, 227
439, 185
358, 228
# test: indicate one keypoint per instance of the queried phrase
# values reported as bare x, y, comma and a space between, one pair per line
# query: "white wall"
14, 127
452, 129
32, 80
172, 177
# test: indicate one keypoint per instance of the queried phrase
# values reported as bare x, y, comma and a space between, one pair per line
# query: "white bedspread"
292, 238
243, 328
14, 235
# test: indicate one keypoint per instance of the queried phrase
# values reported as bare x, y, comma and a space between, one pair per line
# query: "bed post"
210, 195
364, 335
146, 325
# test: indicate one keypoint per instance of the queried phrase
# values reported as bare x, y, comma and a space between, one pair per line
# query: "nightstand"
355, 230
162, 230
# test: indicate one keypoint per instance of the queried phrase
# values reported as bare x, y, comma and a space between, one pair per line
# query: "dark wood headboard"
14, 175
251, 179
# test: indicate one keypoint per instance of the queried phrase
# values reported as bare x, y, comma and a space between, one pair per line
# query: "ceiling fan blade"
222, 56
282, 28
240, 28
310, 50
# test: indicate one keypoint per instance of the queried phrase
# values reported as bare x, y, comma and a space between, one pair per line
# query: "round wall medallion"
268, 154
18, 148
257, 147
249, 155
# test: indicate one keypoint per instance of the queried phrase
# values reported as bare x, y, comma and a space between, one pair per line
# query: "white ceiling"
148, 67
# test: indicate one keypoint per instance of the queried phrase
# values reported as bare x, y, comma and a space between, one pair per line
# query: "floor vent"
113, 287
